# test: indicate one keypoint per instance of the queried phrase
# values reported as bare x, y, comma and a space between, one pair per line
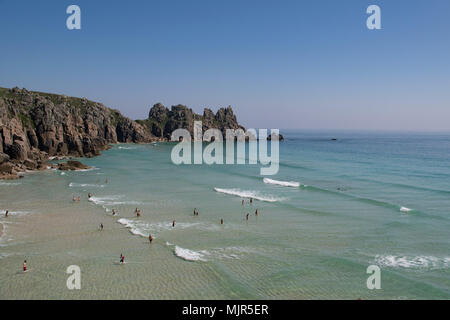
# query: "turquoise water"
366, 199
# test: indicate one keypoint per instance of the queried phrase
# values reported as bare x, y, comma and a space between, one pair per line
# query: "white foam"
405, 209
127, 148
15, 213
2, 183
189, 255
413, 262
249, 194
142, 228
130, 224
82, 185
113, 201
85, 170
293, 184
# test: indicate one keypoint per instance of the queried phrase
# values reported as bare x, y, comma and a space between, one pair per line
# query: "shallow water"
364, 199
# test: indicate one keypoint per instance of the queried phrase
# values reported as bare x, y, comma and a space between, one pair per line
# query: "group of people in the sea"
138, 214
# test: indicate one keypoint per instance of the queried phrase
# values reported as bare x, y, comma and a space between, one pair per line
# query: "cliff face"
162, 121
34, 126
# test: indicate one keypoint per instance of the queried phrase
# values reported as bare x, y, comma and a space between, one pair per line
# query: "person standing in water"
79, 198
114, 212
221, 221
89, 195
74, 199
25, 266
122, 259
101, 226
6, 213
246, 217
242, 202
150, 238
251, 200
173, 224
256, 212
138, 213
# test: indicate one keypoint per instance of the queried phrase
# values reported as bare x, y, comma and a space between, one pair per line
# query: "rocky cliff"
161, 121
35, 126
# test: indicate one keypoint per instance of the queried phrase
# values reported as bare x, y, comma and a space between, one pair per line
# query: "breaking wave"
189, 255
82, 185
413, 262
249, 194
293, 184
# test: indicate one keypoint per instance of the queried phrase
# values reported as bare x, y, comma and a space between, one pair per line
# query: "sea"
341, 203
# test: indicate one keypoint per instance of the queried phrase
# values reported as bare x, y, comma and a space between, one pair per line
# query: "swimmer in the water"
114, 212
6, 213
89, 195
251, 200
221, 221
25, 266
242, 201
74, 199
106, 180
136, 210
79, 198
150, 238
256, 212
138, 213
122, 259
173, 223
246, 217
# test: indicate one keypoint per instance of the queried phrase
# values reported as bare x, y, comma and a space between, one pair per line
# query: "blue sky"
280, 64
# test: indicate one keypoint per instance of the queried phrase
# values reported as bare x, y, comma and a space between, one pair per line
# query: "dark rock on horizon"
274, 135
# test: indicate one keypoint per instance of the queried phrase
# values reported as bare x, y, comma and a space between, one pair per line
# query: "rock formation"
72, 165
162, 121
34, 126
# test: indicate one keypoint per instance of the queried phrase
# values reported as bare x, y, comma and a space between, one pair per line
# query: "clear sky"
280, 64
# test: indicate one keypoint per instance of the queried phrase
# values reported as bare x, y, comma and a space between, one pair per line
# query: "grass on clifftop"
55, 98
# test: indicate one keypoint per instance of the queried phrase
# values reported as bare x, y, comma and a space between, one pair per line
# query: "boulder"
4, 158
6, 168
72, 165
274, 135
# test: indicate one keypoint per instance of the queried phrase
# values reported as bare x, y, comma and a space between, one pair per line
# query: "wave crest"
189, 255
249, 194
293, 184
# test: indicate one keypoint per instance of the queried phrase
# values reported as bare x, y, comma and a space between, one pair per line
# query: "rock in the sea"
72, 165
274, 136
162, 121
